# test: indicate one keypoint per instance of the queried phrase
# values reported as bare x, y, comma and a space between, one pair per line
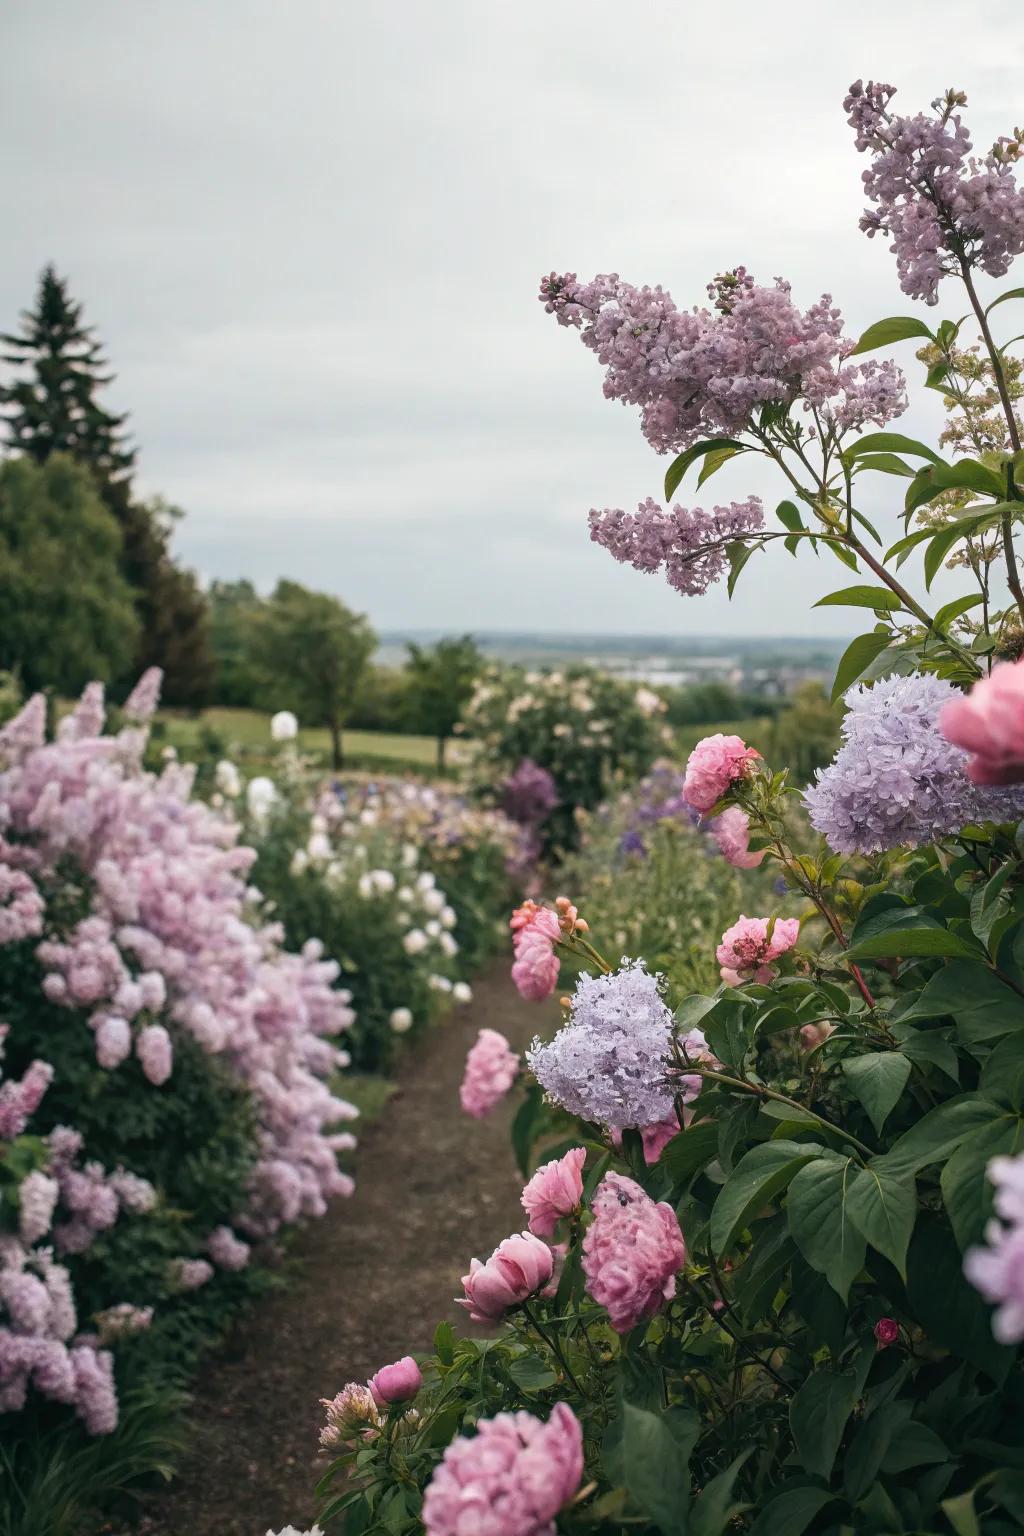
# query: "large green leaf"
983, 1006
1002, 1077
757, 1178
817, 1418
949, 1309
714, 460
883, 1208
891, 442
820, 1221
937, 1134
913, 1445
689, 1151
863, 1460
677, 469
878, 598
715, 1508
791, 1512
878, 1080
966, 1192
856, 659
884, 332
911, 942
655, 1473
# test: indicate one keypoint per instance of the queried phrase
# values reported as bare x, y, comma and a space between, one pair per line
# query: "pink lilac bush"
491, 1068
714, 766
518, 1268
689, 544
509, 1479
554, 1192
174, 941
989, 724
747, 951
632, 1252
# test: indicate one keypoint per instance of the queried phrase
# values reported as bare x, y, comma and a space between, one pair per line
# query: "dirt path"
377, 1274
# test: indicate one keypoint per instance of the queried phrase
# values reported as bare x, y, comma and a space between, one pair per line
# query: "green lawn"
246, 732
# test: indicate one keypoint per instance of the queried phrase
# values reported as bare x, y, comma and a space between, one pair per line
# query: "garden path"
373, 1279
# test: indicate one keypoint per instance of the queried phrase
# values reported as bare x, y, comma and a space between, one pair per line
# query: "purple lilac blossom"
529, 795
896, 781
944, 209
690, 544
609, 1062
705, 373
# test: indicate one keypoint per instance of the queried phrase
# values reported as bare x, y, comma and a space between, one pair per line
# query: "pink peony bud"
714, 765
509, 1479
887, 1331
518, 1268
555, 1190
989, 724
396, 1383
491, 1068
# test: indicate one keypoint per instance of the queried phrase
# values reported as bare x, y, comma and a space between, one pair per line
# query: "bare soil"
374, 1278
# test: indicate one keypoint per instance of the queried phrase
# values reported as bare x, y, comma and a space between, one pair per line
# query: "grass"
247, 731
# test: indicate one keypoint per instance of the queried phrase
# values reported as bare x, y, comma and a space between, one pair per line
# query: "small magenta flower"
396, 1383
714, 765
555, 1190
887, 1331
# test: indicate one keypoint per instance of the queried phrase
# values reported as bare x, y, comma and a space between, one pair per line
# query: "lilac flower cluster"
896, 781
655, 798
609, 1063
528, 795
174, 941
689, 543
705, 373
944, 209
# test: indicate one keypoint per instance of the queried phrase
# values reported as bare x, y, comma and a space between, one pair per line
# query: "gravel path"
377, 1274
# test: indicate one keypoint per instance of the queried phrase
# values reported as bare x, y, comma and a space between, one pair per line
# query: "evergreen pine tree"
51, 406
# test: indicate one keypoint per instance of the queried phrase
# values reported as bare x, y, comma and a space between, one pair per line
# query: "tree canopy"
441, 681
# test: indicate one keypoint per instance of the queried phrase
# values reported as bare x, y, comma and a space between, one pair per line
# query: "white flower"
319, 846
462, 992
415, 941
284, 726
433, 928
448, 945
426, 881
410, 857
334, 874
406, 895
449, 917
228, 779
401, 1020
318, 823
433, 902
169, 754
561, 729
293, 1530
648, 702
365, 887
368, 818
300, 862
439, 983
259, 797
384, 881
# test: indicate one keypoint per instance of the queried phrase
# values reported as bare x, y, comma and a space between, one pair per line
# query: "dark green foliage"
66, 610
234, 606
441, 679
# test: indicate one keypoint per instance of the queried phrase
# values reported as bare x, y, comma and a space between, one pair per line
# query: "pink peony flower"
154, 1050
631, 1253
491, 1068
714, 764
535, 932
555, 1190
746, 951
657, 1137
518, 1268
509, 1479
396, 1383
989, 724
731, 831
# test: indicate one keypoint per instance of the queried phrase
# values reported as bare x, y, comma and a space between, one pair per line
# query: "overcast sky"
310, 236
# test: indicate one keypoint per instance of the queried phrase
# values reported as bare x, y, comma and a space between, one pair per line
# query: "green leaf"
714, 460
1002, 1077
1011, 293
887, 464
938, 548
444, 1343
878, 1080
879, 598
884, 332
677, 469
891, 442
937, 1134
916, 942
883, 1208
738, 554
950, 611
531, 1374
913, 1445
757, 1178
856, 659
789, 516
966, 1192
947, 1306
903, 546
526, 1126
689, 1151
863, 1460
714, 1509
960, 1513
656, 1475
791, 1512
817, 1418
927, 1047
820, 1222
983, 1006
